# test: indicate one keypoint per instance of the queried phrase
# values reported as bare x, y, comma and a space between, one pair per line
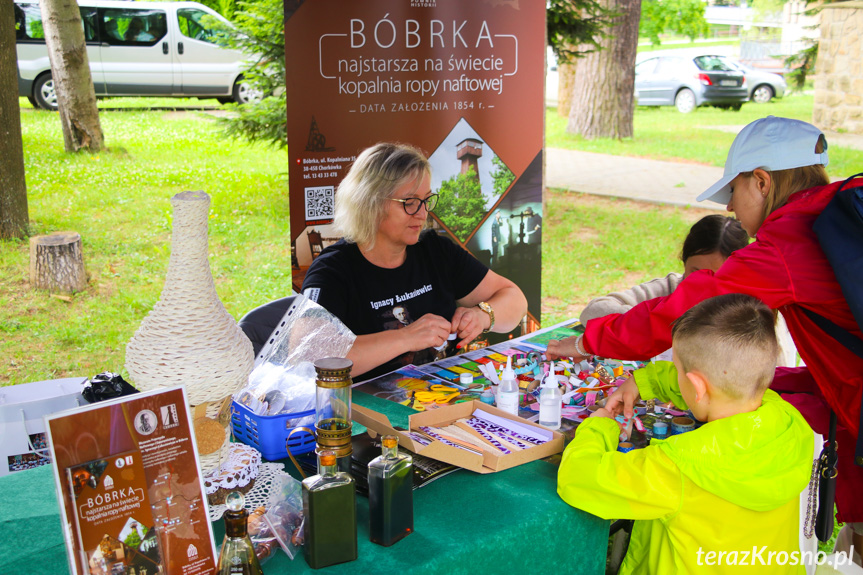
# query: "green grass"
145, 102
595, 245
118, 201
663, 133
647, 47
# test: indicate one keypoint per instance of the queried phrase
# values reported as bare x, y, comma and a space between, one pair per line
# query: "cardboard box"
489, 461
23, 441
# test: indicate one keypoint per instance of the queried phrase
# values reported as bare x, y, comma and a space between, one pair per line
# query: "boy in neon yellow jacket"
723, 498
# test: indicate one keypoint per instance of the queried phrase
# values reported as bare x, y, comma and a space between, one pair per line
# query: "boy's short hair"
731, 339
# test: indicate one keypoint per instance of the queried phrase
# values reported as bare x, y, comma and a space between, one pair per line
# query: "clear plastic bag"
309, 333
284, 516
284, 381
264, 541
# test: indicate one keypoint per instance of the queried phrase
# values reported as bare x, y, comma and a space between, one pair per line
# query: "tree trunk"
13, 190
603, 98
57, 263
565, 85
70, 69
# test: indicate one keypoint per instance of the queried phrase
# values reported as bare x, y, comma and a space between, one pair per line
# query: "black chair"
259, 324
620, 533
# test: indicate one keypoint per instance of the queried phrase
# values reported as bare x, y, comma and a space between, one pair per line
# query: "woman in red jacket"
776, 184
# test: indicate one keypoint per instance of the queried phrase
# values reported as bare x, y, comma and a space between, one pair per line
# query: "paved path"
635, 178
676, 183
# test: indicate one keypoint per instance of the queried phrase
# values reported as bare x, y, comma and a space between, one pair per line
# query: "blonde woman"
388, 270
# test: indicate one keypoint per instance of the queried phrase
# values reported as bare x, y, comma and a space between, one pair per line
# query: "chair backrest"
258, 324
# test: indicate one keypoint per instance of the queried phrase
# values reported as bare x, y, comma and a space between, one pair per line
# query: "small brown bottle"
238, 554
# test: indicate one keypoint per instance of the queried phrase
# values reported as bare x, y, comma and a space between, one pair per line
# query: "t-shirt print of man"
401, 316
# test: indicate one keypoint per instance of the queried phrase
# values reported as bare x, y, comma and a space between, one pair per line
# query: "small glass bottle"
391, 500
238, 553
329, 506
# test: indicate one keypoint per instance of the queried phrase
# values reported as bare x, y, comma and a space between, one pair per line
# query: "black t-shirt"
370, 299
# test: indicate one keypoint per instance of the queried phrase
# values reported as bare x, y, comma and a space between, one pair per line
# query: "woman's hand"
623, 400
428, 331
564, 348
561, 348
468, 323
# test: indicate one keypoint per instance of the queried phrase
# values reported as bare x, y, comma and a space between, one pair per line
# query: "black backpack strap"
855, 345
845, 183
843, 336
827, 473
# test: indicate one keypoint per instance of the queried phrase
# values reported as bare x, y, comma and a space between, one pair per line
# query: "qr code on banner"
319, 202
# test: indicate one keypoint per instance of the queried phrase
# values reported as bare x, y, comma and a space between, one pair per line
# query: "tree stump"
57, 263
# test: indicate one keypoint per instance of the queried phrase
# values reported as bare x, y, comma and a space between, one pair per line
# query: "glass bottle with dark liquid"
238, 554
391, 502
329, 506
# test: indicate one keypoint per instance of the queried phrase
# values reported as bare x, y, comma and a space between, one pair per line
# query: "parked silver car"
763, 86
690, 82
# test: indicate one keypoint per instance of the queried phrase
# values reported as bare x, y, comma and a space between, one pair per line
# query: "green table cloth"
506, 522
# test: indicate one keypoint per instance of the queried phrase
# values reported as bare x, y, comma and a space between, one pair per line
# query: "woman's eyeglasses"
412, 205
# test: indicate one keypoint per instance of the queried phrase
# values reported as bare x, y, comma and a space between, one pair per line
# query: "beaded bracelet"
578, 345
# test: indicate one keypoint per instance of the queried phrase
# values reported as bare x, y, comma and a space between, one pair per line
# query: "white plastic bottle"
550, 400
507, 395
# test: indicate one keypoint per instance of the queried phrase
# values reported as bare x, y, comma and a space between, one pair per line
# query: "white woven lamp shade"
189, 337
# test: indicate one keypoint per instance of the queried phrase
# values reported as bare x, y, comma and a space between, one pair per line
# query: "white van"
136, 49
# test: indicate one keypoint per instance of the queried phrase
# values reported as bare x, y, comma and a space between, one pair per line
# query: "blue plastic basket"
269, 433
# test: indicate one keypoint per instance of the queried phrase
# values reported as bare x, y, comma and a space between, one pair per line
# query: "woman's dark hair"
714, 233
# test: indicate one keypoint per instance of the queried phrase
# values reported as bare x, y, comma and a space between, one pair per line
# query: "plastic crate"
268, 433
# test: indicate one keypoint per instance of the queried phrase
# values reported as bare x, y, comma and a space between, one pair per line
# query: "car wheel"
44, 93
762, 94
32, 101
244, 93
685, 101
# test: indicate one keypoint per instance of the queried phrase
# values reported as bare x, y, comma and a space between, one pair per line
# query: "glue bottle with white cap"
550, 401
507, 395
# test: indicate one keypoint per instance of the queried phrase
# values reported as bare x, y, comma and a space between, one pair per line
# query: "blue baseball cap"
771, 144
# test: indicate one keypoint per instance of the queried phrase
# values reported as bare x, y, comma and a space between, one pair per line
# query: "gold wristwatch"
484, 306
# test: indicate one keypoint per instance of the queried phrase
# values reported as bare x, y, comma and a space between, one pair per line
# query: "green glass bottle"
238, 554
391, 500
330, 508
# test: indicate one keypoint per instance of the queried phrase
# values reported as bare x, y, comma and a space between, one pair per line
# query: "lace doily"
259, 494
237, 472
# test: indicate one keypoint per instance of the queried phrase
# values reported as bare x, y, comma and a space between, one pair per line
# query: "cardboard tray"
490, 461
